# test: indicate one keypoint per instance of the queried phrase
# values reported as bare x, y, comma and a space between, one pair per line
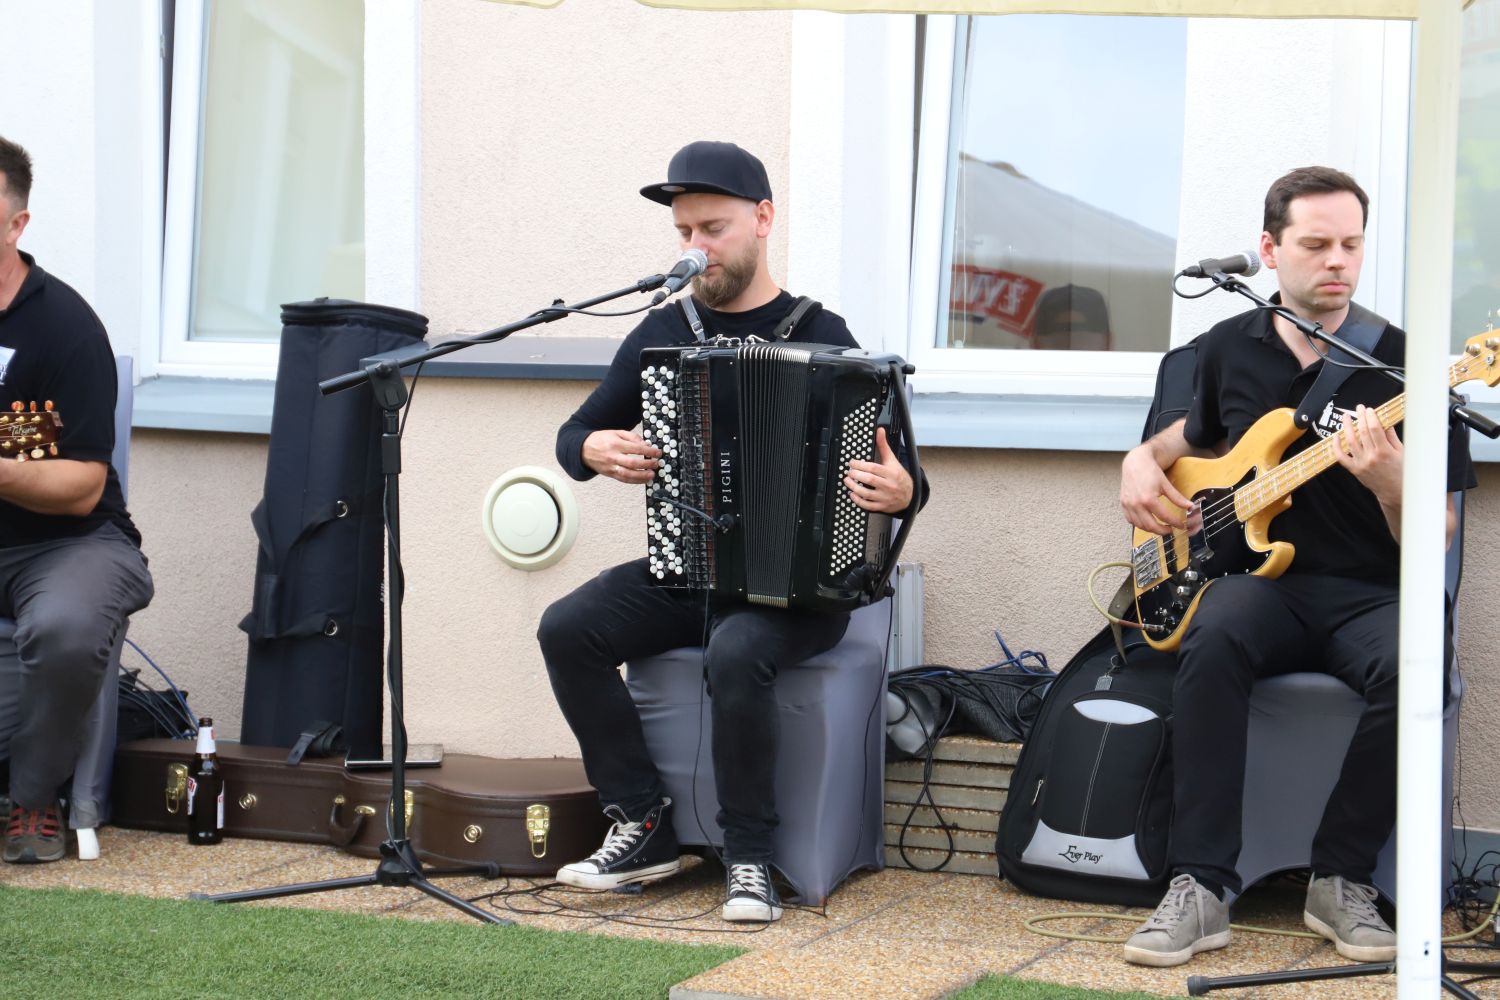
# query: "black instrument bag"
316, 621
1089, 808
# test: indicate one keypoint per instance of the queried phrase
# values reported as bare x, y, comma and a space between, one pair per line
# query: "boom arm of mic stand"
551, 314
1456, 404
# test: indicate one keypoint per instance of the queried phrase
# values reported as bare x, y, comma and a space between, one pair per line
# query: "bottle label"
192, 793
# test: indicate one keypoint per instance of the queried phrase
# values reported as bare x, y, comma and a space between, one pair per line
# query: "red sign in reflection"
1004, 296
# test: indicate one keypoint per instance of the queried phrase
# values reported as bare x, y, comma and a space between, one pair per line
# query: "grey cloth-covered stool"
830, 771
89, 804
1300, 727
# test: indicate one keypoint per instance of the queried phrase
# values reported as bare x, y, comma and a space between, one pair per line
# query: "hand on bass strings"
1147, 496
1373, 453
883, 486
621, 455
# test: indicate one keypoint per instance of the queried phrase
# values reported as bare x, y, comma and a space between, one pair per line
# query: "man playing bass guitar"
1334, 609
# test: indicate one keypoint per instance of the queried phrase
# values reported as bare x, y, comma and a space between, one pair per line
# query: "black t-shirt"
53, 347
1245, 371
616, 402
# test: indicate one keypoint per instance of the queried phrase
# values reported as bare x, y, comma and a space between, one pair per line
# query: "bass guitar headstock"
1480, 359
28, 433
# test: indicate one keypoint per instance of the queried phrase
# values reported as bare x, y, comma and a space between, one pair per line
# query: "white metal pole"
1420, 821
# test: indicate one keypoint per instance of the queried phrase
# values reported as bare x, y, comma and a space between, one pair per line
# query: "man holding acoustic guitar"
71, 569
1330, 609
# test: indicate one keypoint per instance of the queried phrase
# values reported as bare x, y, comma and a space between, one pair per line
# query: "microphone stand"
399, 864
1200, 985
1457, 406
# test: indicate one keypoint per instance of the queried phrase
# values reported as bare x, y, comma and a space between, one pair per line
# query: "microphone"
1246, 263
691, 264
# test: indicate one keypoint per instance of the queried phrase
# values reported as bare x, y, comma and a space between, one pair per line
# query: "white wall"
1264, 97
80, 80
850, 206
50, 110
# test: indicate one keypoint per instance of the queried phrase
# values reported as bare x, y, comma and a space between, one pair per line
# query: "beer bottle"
205, 790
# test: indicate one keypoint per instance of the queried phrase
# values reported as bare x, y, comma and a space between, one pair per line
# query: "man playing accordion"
721, 204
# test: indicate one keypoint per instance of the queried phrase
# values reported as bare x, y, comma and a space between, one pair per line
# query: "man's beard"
733, 278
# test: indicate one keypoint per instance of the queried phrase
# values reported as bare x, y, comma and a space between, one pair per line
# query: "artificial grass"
1003, 988
60, 943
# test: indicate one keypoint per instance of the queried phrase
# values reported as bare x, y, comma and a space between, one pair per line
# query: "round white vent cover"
530, 517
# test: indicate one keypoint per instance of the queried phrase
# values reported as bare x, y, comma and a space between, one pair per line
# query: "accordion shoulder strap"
690, 315
801, 308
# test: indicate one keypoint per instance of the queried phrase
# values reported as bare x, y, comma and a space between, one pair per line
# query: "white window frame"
1114, 374
391, 178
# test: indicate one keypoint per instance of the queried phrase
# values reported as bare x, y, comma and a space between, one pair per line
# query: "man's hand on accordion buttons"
883, 486
621, 455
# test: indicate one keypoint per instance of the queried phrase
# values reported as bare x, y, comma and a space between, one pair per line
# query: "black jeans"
1249, 627
618, 616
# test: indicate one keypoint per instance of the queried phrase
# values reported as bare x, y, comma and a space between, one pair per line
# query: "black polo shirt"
53, 347
1244, 371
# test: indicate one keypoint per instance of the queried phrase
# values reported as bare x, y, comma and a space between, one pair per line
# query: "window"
1068, 167
265, 200
1056, 143
1476, 237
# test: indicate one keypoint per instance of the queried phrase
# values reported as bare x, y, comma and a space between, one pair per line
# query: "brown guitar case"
529, 816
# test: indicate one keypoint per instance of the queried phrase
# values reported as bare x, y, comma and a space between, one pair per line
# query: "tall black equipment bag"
1090, 802
316, 623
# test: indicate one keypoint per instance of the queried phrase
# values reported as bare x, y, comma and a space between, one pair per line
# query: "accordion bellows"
749, 501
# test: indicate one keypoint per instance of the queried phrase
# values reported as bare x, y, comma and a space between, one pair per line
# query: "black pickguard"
1220, 551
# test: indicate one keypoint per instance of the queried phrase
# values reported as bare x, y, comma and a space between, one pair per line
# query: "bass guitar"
1236, 496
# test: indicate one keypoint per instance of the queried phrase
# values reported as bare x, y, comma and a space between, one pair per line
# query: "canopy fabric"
1379, 9
1376, 9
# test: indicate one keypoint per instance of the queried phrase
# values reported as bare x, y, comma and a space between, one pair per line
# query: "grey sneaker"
1344, 912
34, 836
1189, 919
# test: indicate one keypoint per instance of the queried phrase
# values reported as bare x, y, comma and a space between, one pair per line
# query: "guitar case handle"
343, 834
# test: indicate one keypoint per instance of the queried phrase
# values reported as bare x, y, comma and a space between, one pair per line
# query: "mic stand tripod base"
1197, 986
399, 866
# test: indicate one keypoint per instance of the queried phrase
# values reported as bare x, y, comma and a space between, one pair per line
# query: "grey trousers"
69, 598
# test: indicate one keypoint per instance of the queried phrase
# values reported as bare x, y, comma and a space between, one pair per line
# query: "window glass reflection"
1065, 174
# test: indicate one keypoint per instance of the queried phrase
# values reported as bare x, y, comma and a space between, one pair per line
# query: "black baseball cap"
712, 168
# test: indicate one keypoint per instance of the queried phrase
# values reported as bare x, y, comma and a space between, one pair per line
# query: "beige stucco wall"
191, 495
1006, 542
539, 127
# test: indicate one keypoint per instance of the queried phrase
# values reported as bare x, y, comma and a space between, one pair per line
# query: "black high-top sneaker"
632, 852
750, 894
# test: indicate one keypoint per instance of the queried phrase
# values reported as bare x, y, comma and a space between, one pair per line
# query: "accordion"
749, 502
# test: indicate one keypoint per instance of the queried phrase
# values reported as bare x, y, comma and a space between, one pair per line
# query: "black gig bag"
316, 623
1089, 808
